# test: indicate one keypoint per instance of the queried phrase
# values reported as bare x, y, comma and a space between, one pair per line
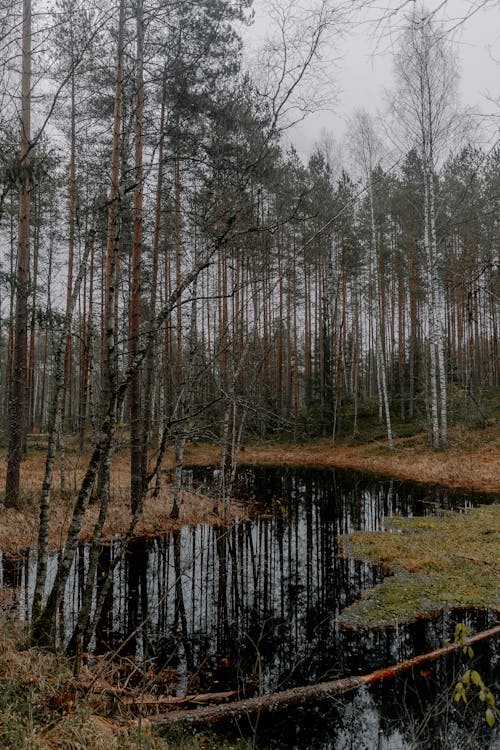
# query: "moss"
452, 559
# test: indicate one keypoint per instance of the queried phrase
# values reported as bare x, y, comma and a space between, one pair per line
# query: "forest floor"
43, 706
19, 528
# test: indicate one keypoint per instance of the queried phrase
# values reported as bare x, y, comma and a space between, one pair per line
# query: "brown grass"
44, 707
19, 528
453, 559
471, 463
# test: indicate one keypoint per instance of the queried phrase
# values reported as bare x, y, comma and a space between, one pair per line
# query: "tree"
408, 215
424, 106
17, 392
136, 424
110, 291
367, 150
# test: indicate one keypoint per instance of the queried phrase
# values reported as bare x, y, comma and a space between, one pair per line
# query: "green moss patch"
448, 560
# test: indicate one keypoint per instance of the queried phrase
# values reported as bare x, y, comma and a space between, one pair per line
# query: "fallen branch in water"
181, 700
295, 696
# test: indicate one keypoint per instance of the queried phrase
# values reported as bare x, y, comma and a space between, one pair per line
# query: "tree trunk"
379, 338
150, 359
54, 417
108, 365
136, 475
71, 252
17, 394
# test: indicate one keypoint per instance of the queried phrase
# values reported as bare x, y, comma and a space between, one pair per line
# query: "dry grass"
471, 463
38, 701
452, 559
43, 707
19, 528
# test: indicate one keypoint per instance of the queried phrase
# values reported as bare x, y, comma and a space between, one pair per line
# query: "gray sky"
363, 70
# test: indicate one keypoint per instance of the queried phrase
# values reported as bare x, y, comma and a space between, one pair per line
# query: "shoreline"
471, 466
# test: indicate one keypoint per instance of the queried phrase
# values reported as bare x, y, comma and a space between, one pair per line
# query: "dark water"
254, 607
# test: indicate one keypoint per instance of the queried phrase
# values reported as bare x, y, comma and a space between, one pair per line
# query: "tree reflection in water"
254, 606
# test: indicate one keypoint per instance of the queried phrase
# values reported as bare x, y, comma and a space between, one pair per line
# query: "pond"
254, 607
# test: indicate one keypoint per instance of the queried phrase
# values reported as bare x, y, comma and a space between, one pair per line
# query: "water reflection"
254, 606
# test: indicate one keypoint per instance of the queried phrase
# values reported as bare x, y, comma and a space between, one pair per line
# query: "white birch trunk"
431, 315
180, 444
381, 369
440, 323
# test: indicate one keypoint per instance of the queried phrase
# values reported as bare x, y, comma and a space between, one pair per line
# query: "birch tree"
367, 149
424, 106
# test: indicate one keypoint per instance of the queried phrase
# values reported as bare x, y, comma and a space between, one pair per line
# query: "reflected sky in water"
254, 606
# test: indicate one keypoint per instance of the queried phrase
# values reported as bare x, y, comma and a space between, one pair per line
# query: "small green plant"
471, 683
460, 636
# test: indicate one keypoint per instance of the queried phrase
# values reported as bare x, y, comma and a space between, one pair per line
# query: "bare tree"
367, 149
289, 71
424, 104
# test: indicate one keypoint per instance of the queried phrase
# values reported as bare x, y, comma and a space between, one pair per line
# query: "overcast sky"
364, 65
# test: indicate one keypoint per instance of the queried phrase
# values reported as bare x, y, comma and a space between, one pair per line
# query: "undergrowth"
42, 707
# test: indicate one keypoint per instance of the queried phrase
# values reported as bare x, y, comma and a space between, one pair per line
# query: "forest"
174, 274
156, 227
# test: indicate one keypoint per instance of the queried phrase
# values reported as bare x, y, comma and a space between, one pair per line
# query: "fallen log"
298, 695
180, 700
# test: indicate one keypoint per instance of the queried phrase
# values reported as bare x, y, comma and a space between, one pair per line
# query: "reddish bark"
17, 393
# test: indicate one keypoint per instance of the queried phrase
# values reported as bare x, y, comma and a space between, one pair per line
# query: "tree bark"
150, 359
108, 365
17, 393
71, 252
136, 475
54, 418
